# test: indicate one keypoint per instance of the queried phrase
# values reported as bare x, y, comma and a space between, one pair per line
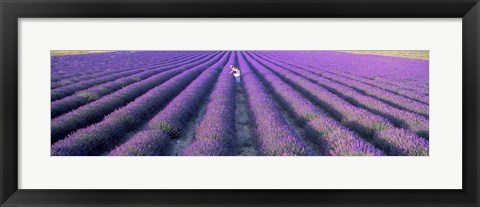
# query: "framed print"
233, 119
266, 103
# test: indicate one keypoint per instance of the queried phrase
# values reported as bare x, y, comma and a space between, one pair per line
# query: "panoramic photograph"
240, 103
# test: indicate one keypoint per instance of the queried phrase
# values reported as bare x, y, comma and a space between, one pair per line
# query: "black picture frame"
11, 10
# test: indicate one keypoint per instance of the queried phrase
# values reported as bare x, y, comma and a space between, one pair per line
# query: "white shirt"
237, 73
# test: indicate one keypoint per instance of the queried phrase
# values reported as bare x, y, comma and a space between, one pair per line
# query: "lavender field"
287, 103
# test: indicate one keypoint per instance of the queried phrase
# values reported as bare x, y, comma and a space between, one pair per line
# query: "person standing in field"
236, 73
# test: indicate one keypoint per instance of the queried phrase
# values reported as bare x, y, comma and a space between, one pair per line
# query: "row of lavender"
74, 68
142, 111
340, 127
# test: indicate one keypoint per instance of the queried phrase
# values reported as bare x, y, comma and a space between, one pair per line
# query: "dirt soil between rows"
243, 124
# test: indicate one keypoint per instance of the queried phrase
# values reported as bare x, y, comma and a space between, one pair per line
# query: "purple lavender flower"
402, 142
215, 134
91, 140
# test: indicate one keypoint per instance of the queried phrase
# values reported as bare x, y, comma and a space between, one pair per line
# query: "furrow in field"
104, 135
91, 94
247, 143
173, 119
93, 112
275, 136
